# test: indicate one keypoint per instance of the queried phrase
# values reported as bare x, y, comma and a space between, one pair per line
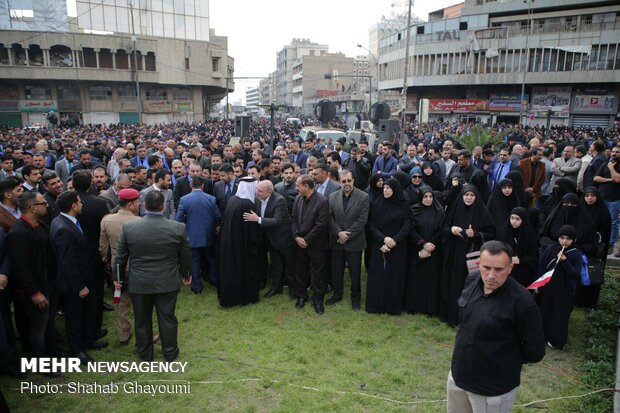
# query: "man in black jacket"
360, 166
94, 210
500, 329
275, 222
27, 248
76, 277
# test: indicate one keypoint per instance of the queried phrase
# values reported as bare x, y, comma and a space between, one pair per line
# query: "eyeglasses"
417, 177
346, 181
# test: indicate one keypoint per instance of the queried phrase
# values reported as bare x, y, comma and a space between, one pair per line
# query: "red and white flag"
543, 280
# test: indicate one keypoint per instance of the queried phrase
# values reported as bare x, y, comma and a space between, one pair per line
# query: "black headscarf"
523, 237
562, 187
476, 214
405, 183
479, 180
518, 186
427, 220
395, 207
500, 205
373, 191
599, 213
431, 180
576, 216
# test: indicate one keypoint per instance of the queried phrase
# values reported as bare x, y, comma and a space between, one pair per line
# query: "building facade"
94, 78
564, 54
286, 59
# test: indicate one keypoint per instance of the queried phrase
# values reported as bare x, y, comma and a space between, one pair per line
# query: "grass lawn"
271, 357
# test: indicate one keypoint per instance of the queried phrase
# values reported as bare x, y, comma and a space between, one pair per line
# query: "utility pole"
405, 74
527, 58
135, 63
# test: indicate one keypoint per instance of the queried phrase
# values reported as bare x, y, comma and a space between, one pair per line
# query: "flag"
543, 280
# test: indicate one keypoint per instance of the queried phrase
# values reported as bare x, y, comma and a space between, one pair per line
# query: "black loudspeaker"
388, 129
242, 126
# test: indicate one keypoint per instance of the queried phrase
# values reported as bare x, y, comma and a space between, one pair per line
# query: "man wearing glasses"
27, 246
348, 215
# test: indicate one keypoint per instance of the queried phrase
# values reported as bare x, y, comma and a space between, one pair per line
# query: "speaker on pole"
388, 129
242, 126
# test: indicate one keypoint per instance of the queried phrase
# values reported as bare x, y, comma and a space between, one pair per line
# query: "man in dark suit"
10, 190
140, 158
275, 223
199, 212
76, 277
90, 218
154, 277
311, 234
183, 187
27, 248
533, 176
349, 212
225, 187
297, 156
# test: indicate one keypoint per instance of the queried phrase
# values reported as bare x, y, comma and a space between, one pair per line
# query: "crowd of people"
88, 210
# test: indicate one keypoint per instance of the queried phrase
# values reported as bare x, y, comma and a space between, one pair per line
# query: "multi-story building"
90, 68
267, 89
287, 57
252, 100
320, 75
564, 54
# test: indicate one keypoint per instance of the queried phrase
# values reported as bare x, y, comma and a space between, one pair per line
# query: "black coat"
93, 211
75, 267
276, 222
27, 249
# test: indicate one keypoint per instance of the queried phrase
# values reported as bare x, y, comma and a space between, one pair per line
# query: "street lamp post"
370, 85
527, 57
405, 74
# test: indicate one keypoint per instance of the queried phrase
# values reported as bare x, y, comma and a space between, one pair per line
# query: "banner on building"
595, 103
326, 93
156, 106
457, 105
37, 105
129, 106
552, 98
69, 105
183, 106
510, 102
9, 105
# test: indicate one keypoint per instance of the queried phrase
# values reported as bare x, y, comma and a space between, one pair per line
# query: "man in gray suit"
275, 223
156, 248
324, 185
64, 166
349, 213
161, 183
566, 166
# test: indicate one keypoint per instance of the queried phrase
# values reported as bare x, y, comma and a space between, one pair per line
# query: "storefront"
594, 107
550, 106
459, 110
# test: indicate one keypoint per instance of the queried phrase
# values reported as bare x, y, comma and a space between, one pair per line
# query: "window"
22, 15
215, 65
100, 93
419, 30
68, 92
156, 94
462, 25
187, 63
127, 92
181, 94
38, 92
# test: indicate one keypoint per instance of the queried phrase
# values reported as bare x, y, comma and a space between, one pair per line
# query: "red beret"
126, 195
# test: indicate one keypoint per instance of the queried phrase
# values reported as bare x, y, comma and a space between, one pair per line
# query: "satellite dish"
379, 111
325, 111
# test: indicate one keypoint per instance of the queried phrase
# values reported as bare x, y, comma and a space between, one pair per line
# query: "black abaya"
422, 291
390, 217
556, 299
524, 243
500, 206
238, 258
455, 249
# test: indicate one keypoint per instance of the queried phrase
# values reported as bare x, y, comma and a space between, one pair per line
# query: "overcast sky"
257, 30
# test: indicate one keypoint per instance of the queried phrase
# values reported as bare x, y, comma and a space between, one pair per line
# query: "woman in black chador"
468, 226
501, 202
557, 298
425, 258
570, 212
592, 202
389, 225
520, 235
